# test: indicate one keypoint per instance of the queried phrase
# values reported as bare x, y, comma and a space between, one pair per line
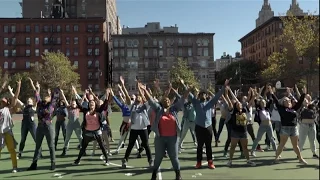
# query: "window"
46, 28
121, 43
180, 42
170, 52
45, 50
27, 64
122, 52
205, 52
160, 43
129, 43
146, 52
67, 40
13, 65
28, 52
155, 42
146, 64
36, 41
89, 27
205, 42
75, 28
36, 28
155, 52
89, 63
96, 86
28, 41
76, 64
13, 28
203, 63
67, 28
97, 40
199, 52
5, 65
189, 52
96, 64
115, 43
115, 52
58, 28
14, 52
67, 52
13, 41
96, 28
58, 40
28, 28
146, 42
97, 52
46, 40
5, 29
135, 53
37, 52
280, 25
90, 40
75, 40
129, 52
133, 65
90, 52
75, 52
6, 41
180, 52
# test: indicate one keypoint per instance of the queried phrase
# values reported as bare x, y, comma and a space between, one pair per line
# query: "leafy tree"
183, 71
276, 66
211, 88
56, 71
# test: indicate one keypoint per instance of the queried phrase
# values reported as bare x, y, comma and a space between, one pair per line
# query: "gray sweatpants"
73, 126
44, 130
310, 131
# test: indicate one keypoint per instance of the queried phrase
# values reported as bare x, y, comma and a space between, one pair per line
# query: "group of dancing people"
294, 116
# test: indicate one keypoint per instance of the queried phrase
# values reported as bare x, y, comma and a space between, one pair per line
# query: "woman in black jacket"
289, 119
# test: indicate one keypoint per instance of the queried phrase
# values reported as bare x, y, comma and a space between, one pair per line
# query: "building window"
189, 52
75, 40
97, 52
205, 52
14, 52
36, 41
146, 51
58, 28
67, 40
89, 52
5, 29
135, 53
89, 63
155, 42
160, 43
203, 63
90, 40
46, 40
27, 64
75, 28
121, 43
37, 52
129, 43
205, 42
199, 52
28, 52
155, 52
36, 28
170, 52
146, 42
13, 65
67, 52
115, 52
180, 42
75, 52
122, 52
180, 52
96, 64
89, 27
46, 28
5, 65
76, 64
146, 64
13, 28
6, 41
90, 75
28, 28
67, 28
13, 41
97, 40
199, 42
129, 52
58, 41
115, 43
96, 28
28, 41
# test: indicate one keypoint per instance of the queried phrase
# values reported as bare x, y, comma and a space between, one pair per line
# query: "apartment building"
225, 60
24, 40
149, 52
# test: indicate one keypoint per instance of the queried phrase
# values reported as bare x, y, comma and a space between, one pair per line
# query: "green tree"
183, 71
55, 71
277, 66
211, 88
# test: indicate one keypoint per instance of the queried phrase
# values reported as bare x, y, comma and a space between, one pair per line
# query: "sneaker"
151, 163
267, 148
260, 149
253, 154
204, 151
198, 165
124, 163
112, 140
229, 164
216, 144
139, 156
302, 161
33, 166
315, 156
107, 163
166, 154
14, 170
102, 157
181, 147
251, 163
225, 154
116, 152
53, 166
19, 156
211, 165
76, 163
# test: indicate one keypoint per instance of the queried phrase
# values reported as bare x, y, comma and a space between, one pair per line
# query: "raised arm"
15, 97
253, 98
118, 102
297, 91
4, 84
64, 98
298, 105
228, 101
216, 98
126, 94
154, 105
12, 95
274, 97
233, 95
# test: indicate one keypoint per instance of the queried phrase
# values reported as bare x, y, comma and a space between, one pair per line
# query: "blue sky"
229, 19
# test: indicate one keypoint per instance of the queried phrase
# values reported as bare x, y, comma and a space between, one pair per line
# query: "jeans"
11, 145
221, 124
60, 124
72, 126
264, 129
204, 137
186, 126
289, 131
169, 144
310, 131
134, 134
27, 127
276, 125
44, 130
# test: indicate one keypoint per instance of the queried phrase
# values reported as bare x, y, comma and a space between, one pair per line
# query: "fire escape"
109, 60
94, 66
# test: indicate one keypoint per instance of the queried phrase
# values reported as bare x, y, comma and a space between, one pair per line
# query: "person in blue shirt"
203, 128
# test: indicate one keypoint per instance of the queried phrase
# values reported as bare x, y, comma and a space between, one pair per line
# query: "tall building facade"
225, 60
149, 52
23, 41
265, 13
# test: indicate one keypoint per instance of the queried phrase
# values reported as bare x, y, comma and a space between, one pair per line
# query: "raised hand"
304, 90
142, 86
170, 85
122, 80
10, 88
119, 86
226, 83
37, 84
19, 81
156, 83
181, 80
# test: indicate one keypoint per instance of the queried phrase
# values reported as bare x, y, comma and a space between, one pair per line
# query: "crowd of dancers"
294, 116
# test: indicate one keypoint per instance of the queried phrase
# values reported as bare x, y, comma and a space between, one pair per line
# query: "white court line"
159, 174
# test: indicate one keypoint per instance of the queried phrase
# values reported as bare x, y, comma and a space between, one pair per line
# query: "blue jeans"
264, 129
161, 144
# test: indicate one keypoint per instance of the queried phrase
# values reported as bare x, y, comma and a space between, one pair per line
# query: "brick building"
24, 40
149, 52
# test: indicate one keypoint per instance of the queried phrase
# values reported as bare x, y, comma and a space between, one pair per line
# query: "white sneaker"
302, 161
110, 154
253, 154
251, 163
229, 164
14, 170
107, 163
